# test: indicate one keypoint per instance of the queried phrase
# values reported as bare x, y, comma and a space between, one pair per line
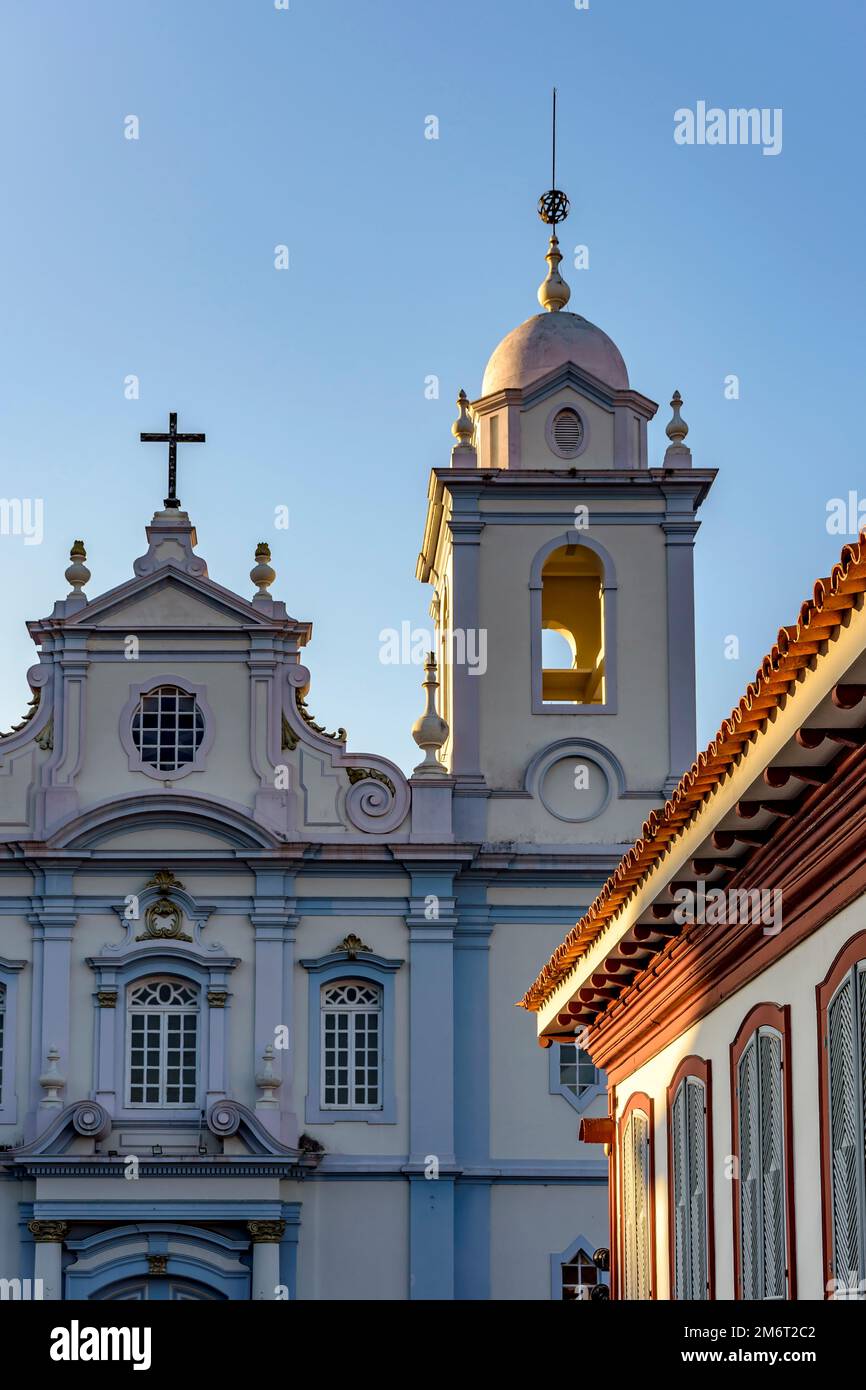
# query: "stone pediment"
170, 598
80, 1139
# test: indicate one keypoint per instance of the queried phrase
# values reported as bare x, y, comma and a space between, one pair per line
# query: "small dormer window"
167, 728
567, 433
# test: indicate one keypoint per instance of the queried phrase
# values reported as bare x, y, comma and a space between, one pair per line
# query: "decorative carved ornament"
45, 739
367, 774
217, 998
45, 1231
163, 920
32, 707
339, 737
157, 1264
165, 880
106, 998
289, 739
353, 946
266, 1232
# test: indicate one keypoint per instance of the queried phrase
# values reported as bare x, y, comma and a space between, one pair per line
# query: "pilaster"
680, 529
52, 917
472, 1092
431, 922
274, 921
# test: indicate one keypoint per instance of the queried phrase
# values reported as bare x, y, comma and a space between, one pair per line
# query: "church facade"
258, 1035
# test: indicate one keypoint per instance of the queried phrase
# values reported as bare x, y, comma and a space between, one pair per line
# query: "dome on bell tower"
548, 341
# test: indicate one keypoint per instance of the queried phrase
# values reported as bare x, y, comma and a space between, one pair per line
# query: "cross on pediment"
172, 439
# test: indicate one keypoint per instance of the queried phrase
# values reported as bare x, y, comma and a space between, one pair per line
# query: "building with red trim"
719, 978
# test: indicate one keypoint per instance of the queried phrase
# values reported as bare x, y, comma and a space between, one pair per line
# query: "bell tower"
562, 570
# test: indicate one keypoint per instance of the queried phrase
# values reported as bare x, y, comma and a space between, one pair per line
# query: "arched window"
572, 626
689, 1181
167, 728
636, 1195
162, 1042
763, 1196
351, 1045
842, 1020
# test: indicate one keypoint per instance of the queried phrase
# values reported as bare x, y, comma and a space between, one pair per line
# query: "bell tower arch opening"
572, 627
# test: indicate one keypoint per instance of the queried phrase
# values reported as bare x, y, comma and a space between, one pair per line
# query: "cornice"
817, 861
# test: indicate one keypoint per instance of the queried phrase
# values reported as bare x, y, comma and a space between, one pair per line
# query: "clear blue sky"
411, 257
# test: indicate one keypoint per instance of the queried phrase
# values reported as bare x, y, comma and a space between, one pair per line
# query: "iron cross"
172, 439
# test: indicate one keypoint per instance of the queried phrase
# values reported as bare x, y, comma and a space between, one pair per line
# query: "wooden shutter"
846, 1036
772, 1164
763, 1257
679, 1191
689, 1184
696, 1121
636, 1207
750, 1199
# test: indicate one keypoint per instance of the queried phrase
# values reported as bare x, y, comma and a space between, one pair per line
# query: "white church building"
258, 1034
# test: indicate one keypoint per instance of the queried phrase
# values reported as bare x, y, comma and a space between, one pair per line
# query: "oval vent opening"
568, 431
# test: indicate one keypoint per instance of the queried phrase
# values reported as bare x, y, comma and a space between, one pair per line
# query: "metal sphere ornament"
553, 207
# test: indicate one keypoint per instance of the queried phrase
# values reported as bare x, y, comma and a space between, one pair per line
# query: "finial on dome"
553, 293
77, 573
262, 574
430, 731
677, 452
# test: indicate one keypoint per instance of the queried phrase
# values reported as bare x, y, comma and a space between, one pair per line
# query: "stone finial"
553, 292
77, 574
463, 429
464, 454
677, 454
262, 574
51, 1081
266, 1079
430, 730
677, 429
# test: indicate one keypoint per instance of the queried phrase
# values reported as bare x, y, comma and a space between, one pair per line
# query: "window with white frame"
577, 1071
636, 1208
167, 728
579, 1277
351, 1045
845, 1049
162, 1049
2, 1034
689, 1189
762, 1231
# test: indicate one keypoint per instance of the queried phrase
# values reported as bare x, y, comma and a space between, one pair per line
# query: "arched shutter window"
689, 1182
846, 1044
636, 1206
762, 1167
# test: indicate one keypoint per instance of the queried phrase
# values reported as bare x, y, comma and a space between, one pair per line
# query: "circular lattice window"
567, 433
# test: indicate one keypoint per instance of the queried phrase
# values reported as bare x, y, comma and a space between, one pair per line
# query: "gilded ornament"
339, 737
353, 946
368, 774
